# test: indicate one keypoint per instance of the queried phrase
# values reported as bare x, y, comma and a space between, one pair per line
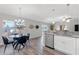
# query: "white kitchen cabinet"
77, 48
70, 45
65, 44
58, 43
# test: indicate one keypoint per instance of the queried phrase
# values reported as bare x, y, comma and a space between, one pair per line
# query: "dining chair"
21, 41
28, 40
6, 42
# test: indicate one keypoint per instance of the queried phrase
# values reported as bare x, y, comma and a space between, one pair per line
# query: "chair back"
5, 40
28, 36
23, 39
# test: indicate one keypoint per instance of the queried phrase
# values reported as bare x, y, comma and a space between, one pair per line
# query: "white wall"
34, 32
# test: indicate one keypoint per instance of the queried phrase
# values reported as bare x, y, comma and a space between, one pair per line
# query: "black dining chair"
6, 42
15, 41
21, 41
28, 34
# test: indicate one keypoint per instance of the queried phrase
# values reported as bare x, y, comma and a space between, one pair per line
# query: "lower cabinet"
65, 44
77, 48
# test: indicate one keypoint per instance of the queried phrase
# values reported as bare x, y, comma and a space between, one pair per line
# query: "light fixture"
19, 22
66, 18
68, 4
69, 17
53, 22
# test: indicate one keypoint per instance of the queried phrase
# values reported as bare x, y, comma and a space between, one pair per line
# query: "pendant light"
19, 21
53, 22
52, 26
67, 18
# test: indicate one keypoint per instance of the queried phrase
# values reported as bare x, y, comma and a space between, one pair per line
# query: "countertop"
67, 34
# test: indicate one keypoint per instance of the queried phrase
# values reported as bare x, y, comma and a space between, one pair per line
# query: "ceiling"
40, 12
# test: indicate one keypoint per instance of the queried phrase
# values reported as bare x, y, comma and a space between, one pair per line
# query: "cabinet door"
70, 47
65, 44
77, 41
59, 43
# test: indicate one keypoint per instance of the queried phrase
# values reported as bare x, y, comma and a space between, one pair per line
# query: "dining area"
20, 43
14, 42
18, 35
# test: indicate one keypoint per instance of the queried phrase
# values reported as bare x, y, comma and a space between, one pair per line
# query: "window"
8, 25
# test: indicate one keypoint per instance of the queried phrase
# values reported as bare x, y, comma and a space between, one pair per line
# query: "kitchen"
63, 35
63, 41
